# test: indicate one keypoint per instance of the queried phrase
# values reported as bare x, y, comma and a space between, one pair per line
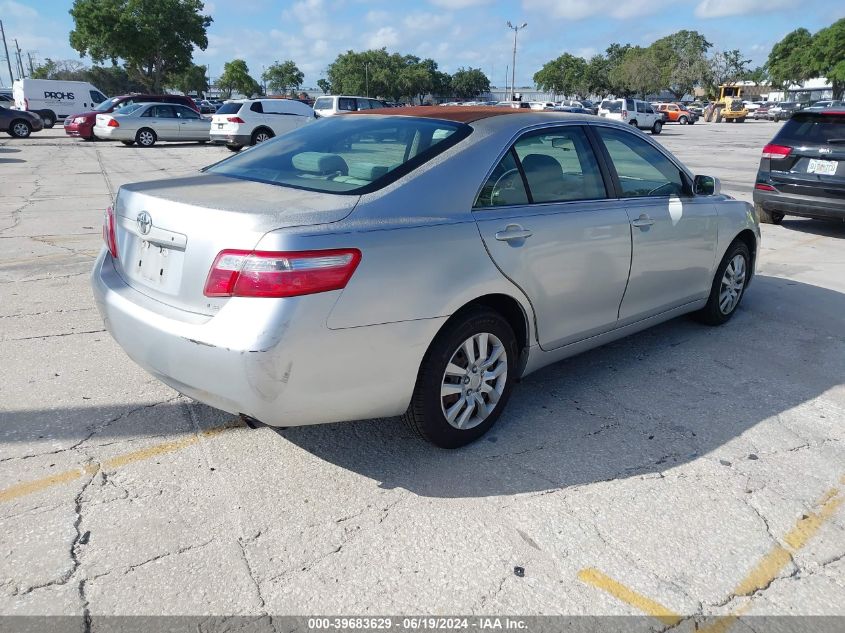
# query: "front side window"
504, 187
559, 166
345, 154
642, 169
640, 106
183, 112
363, 104
346, 104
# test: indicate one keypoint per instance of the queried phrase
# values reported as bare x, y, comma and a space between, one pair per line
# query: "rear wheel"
683, 120
741, 119
768, 217
48, 117
261, 135
728, 285
128, 143
717, 115
634, 123
145, 137
234, 148
465, 379
20, 129
657, 127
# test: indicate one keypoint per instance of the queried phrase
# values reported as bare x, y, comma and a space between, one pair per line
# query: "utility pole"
367, 78
8, 59
31, 69
516, 30
20, 63
506, 83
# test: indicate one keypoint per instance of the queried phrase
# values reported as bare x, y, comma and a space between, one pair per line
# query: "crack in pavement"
29, 338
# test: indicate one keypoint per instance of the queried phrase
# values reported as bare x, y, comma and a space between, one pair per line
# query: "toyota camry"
413, 261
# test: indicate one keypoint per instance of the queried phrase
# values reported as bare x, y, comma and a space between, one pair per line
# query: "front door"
673, 231
192, 127
547, 221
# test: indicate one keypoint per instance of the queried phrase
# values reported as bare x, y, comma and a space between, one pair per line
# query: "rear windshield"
323, 103
107, 104
812, 128
229, 108
131, 107
346, 155
611, 106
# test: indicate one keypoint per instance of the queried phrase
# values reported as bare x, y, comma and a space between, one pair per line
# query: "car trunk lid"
169, 231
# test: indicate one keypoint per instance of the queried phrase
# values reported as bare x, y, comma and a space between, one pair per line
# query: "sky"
455, 33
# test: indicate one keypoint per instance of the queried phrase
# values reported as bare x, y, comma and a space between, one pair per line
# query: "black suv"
802, 171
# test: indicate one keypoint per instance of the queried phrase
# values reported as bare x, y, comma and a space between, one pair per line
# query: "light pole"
516, 30
367, 78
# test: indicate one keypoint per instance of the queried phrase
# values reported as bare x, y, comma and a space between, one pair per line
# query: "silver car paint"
355, 353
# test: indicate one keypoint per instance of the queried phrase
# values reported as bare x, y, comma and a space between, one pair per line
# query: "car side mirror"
706, 186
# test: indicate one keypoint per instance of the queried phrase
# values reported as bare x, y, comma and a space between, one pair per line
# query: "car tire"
657, 128
729, 285
260, 135
20, 128
717, 115
128, 143
767, 217
234, 148
634, 123
741, 119
447, 376
683, 120
48, 117
145, 137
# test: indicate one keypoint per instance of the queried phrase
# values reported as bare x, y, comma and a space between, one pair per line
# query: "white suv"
338, 104
633, 111
250, 121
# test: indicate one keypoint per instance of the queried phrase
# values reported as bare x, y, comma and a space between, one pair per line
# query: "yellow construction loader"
729, 107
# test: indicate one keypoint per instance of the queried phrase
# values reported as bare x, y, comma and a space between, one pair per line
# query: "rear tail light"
776, 152
26, 104
280, 274
109, 236
113, 123
235, 119
761, 186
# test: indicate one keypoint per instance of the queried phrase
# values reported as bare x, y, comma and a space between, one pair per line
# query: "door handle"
513, 232
643, 221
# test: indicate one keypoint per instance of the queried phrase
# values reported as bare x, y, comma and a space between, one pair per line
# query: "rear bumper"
220, 138
80, 130
801, 205
272, 359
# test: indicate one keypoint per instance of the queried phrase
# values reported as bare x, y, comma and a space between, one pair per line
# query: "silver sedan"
146, 123
414, 261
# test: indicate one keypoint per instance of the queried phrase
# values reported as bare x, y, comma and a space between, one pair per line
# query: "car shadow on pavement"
664, 397
641, 405
825, 228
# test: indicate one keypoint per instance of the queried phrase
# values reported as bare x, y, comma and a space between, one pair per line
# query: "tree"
155, 38
638, 73
597, 75
324, 85
113, 80
469, 82
283, 77
236, 78
359, 73
726, 67
614, 56
683, 61
192, 79
789, 61
827, 56
564, 75
65, 69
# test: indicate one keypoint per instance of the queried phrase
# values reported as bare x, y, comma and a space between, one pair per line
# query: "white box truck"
54, 99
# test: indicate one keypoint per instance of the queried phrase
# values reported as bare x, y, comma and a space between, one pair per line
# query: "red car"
82, 125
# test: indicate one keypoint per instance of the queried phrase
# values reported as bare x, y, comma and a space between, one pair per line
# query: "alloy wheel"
146, 138
261, 137
21, 130
733, 281
474, 380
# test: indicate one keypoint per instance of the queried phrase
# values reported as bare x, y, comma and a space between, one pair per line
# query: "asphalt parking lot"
684, 471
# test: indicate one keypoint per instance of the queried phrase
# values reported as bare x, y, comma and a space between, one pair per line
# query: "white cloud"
386, 36
579, 9
17, 10
723, 8
458, 4
423, 21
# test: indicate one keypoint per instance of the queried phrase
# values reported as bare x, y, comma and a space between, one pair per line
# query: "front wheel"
728, 285
465, 379
657, 128
717, 117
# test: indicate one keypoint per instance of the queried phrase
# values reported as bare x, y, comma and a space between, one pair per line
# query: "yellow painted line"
30, 487
594, 577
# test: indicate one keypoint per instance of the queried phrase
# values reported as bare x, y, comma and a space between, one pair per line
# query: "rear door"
549, 225
162, 119
673, 232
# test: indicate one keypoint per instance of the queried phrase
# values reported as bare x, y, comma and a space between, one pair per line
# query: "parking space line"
593, 576
760, 576
30, 487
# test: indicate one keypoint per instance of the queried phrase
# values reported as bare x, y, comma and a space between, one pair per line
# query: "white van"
244, 122
53, 99
338, 104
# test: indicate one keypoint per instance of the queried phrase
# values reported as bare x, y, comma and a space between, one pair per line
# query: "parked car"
573, 109
206, 107
802, 170
540, 105
330, 105
761, 113
783, 110
251, 121
7, 100
633, 112
147, 123
697, 108
19, 123
296, 284
818, 106
53, 100
677, 114
82, 125
514, 105
592, 107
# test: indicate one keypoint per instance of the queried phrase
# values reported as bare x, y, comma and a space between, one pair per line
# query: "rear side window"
346, 104
504, 187
345, 154
559, 166
363, 104
229, 108
629, 105
642, 169
323, 103
611, 106
160, 112
815, 128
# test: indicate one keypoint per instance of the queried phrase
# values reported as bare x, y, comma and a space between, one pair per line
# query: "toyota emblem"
145, 222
